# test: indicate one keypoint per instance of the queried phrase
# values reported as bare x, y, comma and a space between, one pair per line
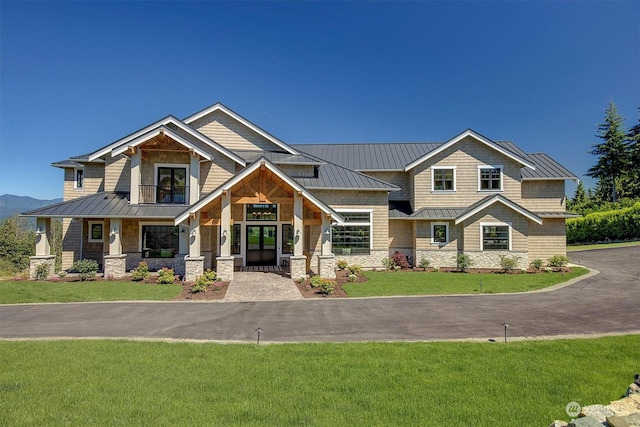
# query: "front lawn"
389, 283
574, 248
362, 384
12, 292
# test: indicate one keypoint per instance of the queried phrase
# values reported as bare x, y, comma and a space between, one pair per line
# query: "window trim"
480, 168
509, 226
75, 178
433, 181
90, 239
447, 241
187, 184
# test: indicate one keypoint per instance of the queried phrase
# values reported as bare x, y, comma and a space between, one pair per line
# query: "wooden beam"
210, 222
269, 200
314, 221
263, 184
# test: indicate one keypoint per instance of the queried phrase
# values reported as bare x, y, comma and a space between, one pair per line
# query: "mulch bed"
341, 278
213, 293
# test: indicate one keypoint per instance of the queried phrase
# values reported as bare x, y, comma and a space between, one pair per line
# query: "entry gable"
490, 200
251, 182
234, 131
476, 136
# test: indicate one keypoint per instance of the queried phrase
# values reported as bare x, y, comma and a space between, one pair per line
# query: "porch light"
39, 231
193, 232
327, 231
114, 231
298, 232
224, 232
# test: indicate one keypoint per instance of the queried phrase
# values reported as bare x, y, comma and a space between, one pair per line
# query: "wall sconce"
39, 230
193, 232
182, 230
298, 232
327, 231
224, 233
114, 231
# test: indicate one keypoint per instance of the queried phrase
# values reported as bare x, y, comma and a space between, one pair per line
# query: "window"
79, 178
444, 179
96, 230
262, 212
496, 237
490, 178
439, 233
172, 184
287, 238
354, 238
160, 241
236, 238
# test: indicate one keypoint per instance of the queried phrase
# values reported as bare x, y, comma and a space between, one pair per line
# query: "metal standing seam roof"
438, 213
278, 158
105, 205
546, 168
332, 176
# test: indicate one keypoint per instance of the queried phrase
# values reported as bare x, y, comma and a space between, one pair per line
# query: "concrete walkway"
250, 287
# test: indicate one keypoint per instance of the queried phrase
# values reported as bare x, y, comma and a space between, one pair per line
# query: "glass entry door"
261, 245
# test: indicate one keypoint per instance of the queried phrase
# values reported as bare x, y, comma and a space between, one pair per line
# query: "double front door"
261, 245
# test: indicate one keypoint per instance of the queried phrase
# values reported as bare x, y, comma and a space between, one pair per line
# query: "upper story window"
172, 184
354, 238
496, 237
489, 178
443, 178
79, 178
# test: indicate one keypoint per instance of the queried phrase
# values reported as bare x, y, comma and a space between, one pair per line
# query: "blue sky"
75, 76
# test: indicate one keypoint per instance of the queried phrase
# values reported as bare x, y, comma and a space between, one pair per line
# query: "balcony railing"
161, 194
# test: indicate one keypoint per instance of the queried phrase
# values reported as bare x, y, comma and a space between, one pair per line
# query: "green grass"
601, 246
389, 283
12, 292
368, 384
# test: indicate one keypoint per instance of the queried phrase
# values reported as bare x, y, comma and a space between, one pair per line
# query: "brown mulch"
341, 278
213, 293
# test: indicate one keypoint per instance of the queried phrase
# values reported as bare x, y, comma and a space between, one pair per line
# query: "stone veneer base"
194, 267
298, 267
224, 268
115, 266
327, 265
37, 260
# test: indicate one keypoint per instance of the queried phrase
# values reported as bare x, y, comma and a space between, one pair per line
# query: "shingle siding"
543, 196
117, 173
547, 239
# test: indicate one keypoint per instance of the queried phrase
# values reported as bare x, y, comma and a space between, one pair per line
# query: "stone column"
225, 262
194, 267
115, 264
43, 249
224, 268
298, 262
326, 261
194, 263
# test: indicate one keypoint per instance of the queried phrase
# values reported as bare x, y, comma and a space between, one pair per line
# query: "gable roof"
179, 131
477, 137
219, 107
490, 200
245, 173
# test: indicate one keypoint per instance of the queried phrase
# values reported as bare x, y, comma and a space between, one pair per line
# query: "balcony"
161, 194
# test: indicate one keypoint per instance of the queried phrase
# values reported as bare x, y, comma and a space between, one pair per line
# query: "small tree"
508, 263
463, 262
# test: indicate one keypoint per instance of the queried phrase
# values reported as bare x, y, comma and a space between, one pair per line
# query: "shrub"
463, 262
42, 271
509, 263
352, 278
210, 276
62, 273
537, 264
398, 259
386, 263
199, 286
558, 261
355, 269
86, 268
166, 276
619, 223
425, 263
316, 281
141, 272
342, 264
327, 286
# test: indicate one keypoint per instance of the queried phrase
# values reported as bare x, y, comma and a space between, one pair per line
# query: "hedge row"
621, 224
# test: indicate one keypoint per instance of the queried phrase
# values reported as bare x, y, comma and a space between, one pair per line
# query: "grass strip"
448, 384
601, 246
12, 292
390, 283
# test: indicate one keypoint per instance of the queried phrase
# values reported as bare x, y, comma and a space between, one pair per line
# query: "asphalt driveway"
605, 303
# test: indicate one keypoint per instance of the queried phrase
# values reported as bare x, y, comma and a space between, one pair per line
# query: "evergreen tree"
633, 138
612, 153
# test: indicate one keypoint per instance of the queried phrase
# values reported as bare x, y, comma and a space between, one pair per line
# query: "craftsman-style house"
215, 190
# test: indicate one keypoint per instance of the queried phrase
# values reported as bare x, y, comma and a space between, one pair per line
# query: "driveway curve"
602, 304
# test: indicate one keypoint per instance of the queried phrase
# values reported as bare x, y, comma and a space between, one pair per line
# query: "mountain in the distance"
11, 205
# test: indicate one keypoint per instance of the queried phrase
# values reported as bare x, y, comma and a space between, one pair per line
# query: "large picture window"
160, 241
496, 237
354, 238
490, 178
444, 179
